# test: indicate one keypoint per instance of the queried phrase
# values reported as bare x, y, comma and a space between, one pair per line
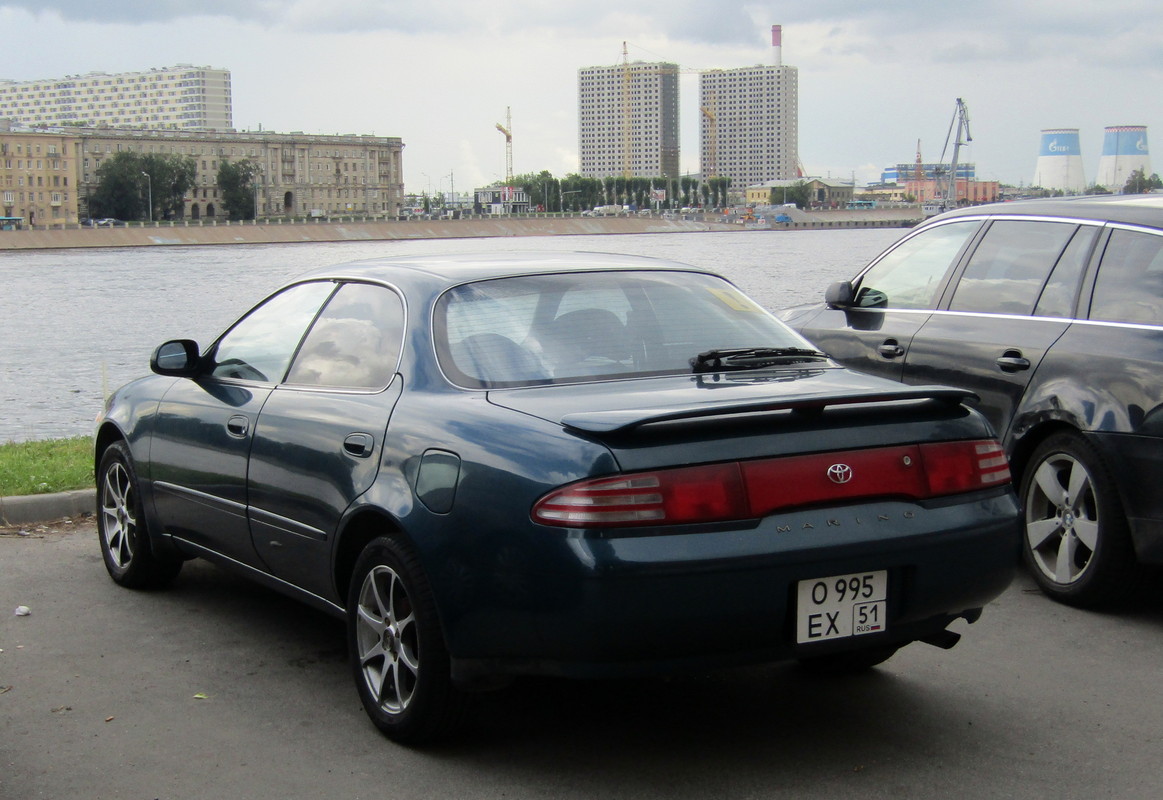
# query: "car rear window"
562, 328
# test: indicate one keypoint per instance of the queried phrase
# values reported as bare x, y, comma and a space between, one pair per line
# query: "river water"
76, 324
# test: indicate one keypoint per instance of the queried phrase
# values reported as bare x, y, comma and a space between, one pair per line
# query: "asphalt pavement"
217, 688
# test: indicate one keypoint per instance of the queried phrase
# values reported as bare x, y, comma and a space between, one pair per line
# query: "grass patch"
53, 465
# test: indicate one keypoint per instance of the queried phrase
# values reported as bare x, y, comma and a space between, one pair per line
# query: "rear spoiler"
621, 420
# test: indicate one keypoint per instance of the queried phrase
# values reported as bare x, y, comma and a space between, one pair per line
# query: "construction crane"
507, 129
919, 169
709, 111
627, 116
961, 123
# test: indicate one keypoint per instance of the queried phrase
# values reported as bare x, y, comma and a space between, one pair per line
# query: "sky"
875, 76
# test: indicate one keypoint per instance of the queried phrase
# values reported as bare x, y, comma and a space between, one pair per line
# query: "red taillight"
752, 489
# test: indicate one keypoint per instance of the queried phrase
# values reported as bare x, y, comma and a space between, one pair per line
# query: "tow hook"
946, 640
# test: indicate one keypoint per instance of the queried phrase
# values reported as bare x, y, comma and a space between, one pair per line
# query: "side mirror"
840, 295
179, 358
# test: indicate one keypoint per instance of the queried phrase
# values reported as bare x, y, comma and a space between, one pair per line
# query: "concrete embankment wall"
268, 232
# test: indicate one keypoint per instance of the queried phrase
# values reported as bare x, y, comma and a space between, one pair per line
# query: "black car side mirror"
840, 294
178, 357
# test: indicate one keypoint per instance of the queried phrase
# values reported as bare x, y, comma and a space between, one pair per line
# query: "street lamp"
149, 189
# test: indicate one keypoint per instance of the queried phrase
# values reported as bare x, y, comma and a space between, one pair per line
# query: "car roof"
451, 269
1132, 209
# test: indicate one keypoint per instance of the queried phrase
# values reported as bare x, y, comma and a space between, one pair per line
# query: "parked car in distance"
576, 465
1051, 311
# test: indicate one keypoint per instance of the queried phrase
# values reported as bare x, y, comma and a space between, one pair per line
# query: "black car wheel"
121, 525
396, 647
1077, 542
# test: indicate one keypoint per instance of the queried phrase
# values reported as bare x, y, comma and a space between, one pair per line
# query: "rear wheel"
125, 544
396, 646
1077, 543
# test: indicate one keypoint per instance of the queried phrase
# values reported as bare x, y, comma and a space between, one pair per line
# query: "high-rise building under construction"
628, 120
749, 121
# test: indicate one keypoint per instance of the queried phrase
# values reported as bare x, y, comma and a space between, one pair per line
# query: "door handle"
359, 445
237, 426
1012, 361
891, 349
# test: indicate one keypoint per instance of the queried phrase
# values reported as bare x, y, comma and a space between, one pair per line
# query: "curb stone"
28, 509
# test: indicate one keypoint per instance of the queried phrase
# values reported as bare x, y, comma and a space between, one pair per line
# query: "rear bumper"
661, 602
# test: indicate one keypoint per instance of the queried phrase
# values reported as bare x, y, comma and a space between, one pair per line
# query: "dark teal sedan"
581, 465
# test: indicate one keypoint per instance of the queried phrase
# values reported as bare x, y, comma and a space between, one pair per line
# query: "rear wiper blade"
752, 358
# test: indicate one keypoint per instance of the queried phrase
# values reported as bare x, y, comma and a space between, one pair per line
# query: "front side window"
1130, 279
355, 343
1008, 268
910, 275
260, 345
581, 326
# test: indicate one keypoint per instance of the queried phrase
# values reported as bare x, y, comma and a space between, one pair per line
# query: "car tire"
122, 528
1077, 543
850, 662
397, 651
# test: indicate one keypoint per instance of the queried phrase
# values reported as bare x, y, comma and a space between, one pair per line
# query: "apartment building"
628, 123
749, 124
38, 180
47, 176
300, 174
182, 97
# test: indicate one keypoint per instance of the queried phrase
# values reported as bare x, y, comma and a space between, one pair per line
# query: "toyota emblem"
839, 473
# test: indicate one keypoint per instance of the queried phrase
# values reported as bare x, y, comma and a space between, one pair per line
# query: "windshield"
583, 326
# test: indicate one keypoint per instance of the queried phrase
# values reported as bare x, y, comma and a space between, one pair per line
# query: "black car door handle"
1012, 361
891, 349
237, 426
359, 445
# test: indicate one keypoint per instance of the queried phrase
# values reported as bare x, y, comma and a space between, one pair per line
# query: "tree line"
141, 186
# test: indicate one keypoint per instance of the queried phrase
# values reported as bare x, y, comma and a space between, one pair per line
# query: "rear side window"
910, 275
1008, 268
1130, 279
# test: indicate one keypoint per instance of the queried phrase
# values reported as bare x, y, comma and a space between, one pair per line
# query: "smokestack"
777, 45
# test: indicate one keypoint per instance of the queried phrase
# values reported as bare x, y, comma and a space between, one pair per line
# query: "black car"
1051, 311
580, 465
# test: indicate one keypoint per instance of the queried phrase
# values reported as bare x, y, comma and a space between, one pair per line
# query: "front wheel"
121, 525
1077, 543
396, 646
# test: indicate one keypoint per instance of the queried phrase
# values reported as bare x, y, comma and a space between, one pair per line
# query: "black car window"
1130, 279
910, 275
1057, 298
1009, 266
355, 342
260, 345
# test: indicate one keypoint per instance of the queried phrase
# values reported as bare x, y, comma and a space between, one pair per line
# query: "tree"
237, 184
124, 190
1139, 183
799, 193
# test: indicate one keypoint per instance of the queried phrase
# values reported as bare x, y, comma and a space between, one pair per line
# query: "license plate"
841, 606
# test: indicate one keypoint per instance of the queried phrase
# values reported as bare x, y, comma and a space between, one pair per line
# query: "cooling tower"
1060, 161
1124, 150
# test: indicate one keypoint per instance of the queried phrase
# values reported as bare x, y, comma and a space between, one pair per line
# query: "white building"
749, 121
182, 97
628, 122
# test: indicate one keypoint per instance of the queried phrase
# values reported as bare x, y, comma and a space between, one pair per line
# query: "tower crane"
507, 130
712, 168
